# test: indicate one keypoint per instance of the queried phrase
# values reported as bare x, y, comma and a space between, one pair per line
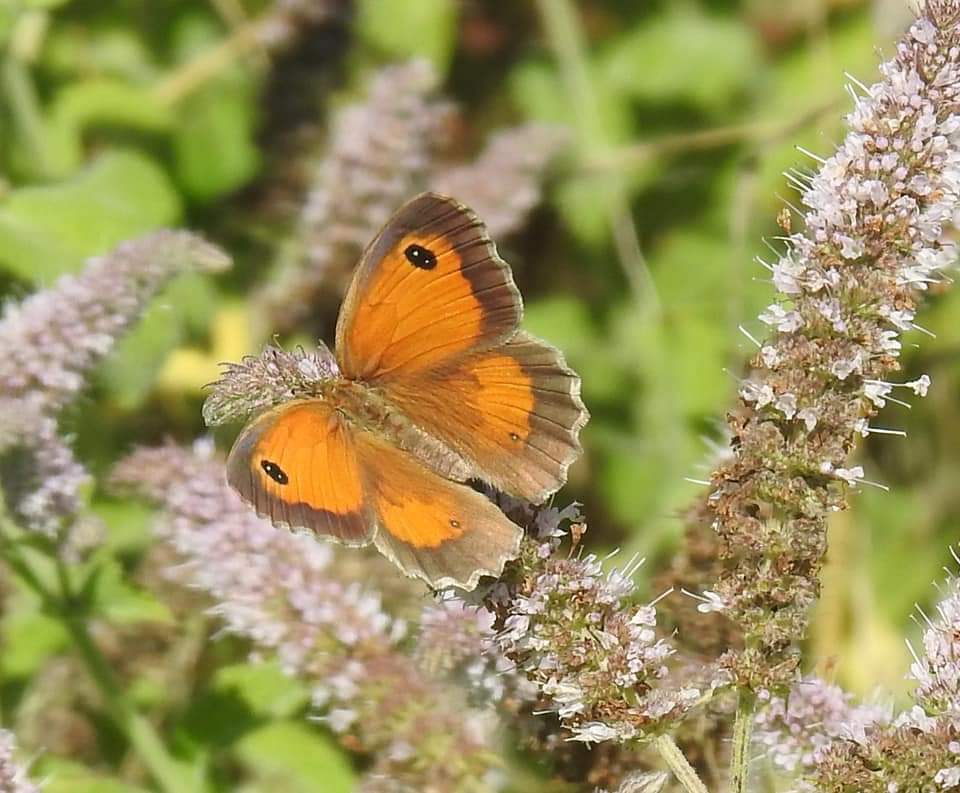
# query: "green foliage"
48, 230
400, 29
288, 755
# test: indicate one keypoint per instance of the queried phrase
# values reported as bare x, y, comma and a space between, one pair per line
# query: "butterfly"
433, 384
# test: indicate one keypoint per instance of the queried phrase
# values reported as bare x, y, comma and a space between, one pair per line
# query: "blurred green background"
119, 117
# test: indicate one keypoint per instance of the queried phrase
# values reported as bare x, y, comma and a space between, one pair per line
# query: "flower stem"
742, 731
684, 772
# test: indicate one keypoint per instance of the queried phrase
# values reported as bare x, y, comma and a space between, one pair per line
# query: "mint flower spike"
51, 340
40, 478
382, 150
49, 343
849, 285
13, 776
936, 668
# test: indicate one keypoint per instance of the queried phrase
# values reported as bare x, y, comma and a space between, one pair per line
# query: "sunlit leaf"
296, 758
399, 29
49, 230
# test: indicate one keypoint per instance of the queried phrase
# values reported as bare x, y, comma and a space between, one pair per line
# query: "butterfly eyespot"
514, 436
455, 523
275, 472
420, 257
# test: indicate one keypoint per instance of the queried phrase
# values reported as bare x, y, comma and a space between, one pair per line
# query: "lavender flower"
796, 730
849, 284
13, 777
282, 591
42, 482
51, 341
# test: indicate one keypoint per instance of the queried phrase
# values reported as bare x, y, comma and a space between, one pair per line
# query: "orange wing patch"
440, 531
513, 413
429, 288
297, 466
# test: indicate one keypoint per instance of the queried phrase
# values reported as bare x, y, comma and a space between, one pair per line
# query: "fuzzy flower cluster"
13, 777
797, 729
382, 151
849, 284
594, 656
457, 641
282, 591
936, 670
51, 341
831, 745
48, 345
271, 378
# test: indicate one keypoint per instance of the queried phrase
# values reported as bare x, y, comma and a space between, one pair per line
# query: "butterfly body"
434, 385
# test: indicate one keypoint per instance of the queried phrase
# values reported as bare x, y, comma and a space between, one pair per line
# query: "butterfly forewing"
430, 288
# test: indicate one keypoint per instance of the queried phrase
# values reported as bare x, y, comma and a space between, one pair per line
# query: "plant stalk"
170, 775
685, 773
742, 733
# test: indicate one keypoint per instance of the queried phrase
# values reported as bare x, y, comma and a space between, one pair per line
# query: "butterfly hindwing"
297, 465
429, 288
440, 531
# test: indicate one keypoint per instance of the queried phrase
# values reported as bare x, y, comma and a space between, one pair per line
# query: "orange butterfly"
436, 386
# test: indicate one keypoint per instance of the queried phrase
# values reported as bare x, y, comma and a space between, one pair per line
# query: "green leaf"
46, 231
264, 687
410, 28
214, 149
294, 758
81, 105
64, 776
123, 603
711, 59
29, 639
127, 524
